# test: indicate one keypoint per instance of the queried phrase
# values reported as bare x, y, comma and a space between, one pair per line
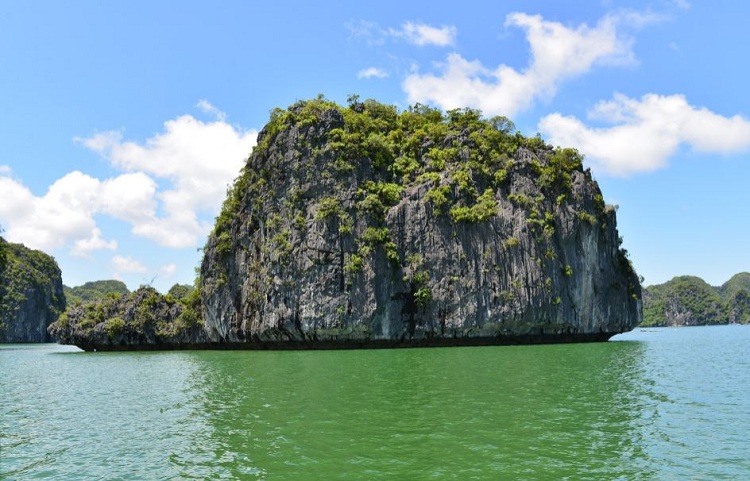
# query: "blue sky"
123, 122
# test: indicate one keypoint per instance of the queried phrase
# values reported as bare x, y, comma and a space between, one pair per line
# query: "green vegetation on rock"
31, 293
317, 232
460, 158
3, 255
94, 290
736, 295
139, 318
690, 301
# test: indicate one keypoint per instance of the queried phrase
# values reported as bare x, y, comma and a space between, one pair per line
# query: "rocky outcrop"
143, 319
31, 293
363, 226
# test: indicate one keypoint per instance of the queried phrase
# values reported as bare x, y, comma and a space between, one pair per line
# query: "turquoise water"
659, 404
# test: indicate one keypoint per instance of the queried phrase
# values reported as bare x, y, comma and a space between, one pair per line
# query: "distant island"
690, 301
363, 226
116, 318
33, 297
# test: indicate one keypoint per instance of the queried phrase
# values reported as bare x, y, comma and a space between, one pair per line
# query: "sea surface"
663, 404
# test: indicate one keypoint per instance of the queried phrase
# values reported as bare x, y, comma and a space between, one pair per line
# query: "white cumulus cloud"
198, 159
130, 197
558, 53
63, 213
171, 187
84, 247
644, 133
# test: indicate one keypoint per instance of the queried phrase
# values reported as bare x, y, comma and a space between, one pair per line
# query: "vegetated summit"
366, 226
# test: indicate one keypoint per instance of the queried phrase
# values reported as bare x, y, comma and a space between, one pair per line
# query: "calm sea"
657, 404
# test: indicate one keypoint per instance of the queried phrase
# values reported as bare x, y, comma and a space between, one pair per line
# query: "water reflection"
535, 411
665, 405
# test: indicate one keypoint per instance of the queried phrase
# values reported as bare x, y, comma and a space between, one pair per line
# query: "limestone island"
31, 293
365, 226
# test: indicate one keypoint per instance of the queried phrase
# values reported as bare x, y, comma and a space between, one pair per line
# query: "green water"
662, 404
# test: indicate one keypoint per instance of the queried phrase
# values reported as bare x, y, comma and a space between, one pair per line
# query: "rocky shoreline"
353, 344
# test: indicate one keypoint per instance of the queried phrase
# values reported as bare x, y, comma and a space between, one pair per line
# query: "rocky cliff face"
366, 226
31, 293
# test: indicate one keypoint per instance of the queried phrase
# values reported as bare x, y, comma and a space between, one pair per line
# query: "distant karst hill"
31, 293
690, 301
94, 290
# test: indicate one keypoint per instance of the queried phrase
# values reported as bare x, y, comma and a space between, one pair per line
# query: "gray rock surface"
31, 294
143, 319
546, 266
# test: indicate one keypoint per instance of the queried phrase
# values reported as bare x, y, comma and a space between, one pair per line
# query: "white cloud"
5, 170
367, 31
100, 142
127, 265
647, 132
64, 213
129, 197
557, 53
171, 188
422, 34
372, 72
198, 159
84, 247
416, 33
206, 106
168, 270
